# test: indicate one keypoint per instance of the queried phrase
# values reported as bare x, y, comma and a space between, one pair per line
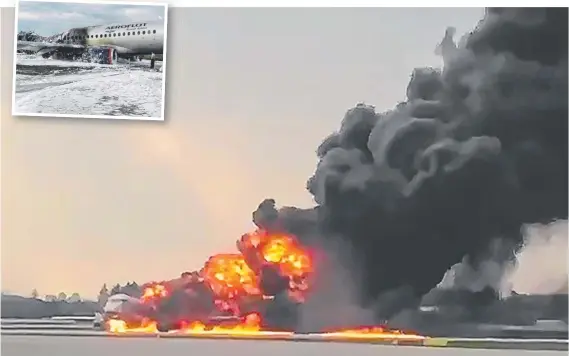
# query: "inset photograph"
100, 60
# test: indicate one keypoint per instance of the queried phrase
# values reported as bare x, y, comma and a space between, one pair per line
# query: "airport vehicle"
100, 44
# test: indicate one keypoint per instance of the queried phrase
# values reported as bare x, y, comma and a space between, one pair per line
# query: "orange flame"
120, 326
282, 250
250, 325
154, 291
373, 332
234, 275
229, 276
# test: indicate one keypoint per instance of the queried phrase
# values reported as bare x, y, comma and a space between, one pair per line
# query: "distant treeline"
19, 307
14, 306
131, 288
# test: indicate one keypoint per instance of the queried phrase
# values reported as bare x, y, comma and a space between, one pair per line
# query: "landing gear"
164, 326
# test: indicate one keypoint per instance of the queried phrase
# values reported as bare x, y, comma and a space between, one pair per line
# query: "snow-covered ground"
45, 86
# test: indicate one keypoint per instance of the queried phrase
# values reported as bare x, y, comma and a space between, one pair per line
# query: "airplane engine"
102, 55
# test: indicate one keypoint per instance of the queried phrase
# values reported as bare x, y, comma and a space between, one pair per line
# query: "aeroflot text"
137, 25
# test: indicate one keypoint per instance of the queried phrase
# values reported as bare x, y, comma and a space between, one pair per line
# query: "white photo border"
85, 116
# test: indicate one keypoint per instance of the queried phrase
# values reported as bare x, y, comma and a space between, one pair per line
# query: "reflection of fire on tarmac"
233, 294
373, 332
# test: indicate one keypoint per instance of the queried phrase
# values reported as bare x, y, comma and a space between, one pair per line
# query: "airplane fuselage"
142, 38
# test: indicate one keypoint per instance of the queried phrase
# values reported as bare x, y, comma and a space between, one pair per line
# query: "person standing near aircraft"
152, 60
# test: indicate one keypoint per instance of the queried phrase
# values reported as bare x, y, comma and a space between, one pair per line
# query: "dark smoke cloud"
478, 150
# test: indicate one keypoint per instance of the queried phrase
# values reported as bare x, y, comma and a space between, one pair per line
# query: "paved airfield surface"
97, 346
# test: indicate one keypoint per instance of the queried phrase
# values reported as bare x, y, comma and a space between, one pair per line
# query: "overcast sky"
49, 18
250, 94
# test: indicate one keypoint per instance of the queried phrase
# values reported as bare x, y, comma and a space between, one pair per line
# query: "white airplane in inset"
101, 44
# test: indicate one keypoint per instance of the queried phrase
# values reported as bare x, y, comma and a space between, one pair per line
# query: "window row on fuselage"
107, 35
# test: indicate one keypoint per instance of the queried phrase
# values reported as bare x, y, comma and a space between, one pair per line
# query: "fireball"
229, 276
154, 291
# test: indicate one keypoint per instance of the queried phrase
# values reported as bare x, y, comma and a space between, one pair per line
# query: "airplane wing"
41, 47
32, 46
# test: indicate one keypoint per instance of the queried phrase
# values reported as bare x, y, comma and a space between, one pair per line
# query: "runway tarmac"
97, 346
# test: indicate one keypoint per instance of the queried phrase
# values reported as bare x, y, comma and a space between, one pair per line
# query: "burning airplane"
269, 272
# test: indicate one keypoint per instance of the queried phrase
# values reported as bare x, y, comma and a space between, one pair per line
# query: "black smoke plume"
478, 149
